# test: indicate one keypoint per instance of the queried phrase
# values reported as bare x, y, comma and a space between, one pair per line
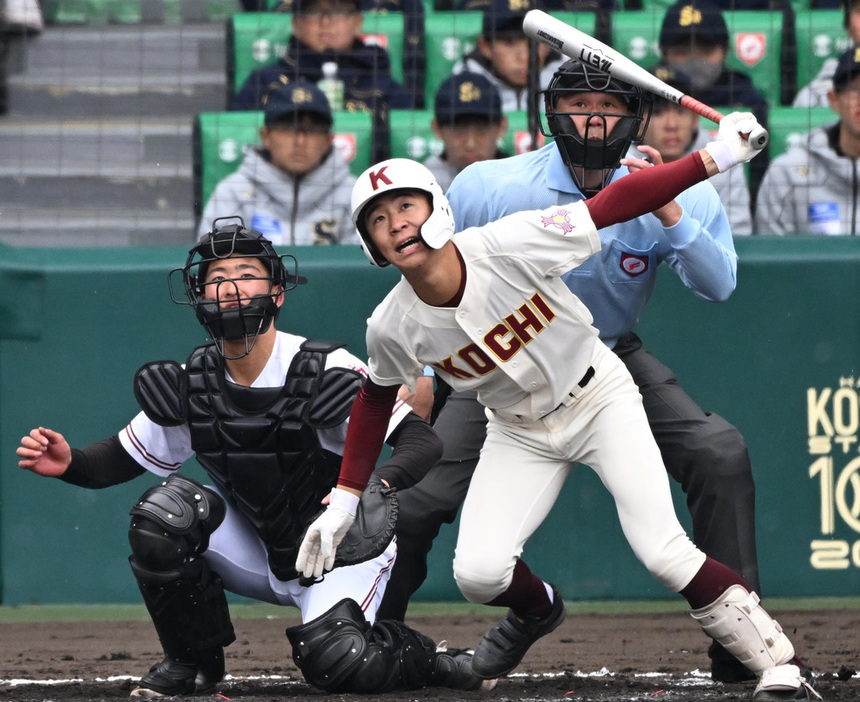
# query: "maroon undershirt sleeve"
365, 433
645, 191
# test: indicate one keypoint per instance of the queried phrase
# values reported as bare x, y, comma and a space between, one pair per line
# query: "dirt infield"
606, 658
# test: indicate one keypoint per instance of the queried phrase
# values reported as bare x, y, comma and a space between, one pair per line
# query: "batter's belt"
569, 399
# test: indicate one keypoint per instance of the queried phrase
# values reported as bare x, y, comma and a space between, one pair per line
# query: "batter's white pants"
524, 464
238, 555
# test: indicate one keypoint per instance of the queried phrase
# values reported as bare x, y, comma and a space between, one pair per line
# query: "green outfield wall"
779, 360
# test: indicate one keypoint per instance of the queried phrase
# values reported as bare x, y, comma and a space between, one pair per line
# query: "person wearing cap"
330, 32
812, 188
414, 45
295, 186
814, 93
501, 53
264, 412
674, 132
694, 40
468, 119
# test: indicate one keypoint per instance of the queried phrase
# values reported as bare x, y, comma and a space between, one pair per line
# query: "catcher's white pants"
524, 464
238, 555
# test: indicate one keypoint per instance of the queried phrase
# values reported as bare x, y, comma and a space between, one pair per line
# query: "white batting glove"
316, 554
732, 148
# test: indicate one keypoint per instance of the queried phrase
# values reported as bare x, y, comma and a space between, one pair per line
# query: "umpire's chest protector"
260, 445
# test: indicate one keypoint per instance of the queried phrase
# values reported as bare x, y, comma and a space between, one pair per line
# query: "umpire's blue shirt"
616, 283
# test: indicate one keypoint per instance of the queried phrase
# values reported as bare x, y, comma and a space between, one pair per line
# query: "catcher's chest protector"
260, 445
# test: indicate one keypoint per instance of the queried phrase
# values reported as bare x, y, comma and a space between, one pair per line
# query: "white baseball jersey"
519, 336
162, 450
235, 551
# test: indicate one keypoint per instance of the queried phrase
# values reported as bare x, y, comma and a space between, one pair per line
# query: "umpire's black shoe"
786, 682
169, 678
504, 646
452, 667
725, 668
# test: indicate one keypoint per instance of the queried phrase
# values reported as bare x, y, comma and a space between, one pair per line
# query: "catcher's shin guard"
738, 622
169, 530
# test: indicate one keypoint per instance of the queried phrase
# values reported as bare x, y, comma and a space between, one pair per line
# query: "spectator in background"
468, 120
295, 188
414, 53
674, 132
502, 51
329, 31
812, 188
815, 93
694, 40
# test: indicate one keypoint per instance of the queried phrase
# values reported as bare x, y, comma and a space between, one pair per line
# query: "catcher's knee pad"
340, 652
738, 622
170, 524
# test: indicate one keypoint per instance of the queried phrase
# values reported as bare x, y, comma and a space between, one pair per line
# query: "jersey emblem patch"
633, 265
560, 219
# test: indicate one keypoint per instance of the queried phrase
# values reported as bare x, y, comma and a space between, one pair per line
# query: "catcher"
265, 414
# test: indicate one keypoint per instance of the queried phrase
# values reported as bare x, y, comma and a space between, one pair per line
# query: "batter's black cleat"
725, 668
169, 678
504, 646
452, 668
786, 682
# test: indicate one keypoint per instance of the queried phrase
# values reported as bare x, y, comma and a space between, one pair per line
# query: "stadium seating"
755, 44
101, 12
451, 35
787, 125
220, 138
256, 39
412, 136
448, 37
820, 35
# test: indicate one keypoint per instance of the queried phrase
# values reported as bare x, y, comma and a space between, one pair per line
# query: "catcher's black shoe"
786, 682
452, 667
504, 646
725, 668
169, 678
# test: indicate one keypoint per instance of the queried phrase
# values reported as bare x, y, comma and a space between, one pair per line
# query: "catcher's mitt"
373, 528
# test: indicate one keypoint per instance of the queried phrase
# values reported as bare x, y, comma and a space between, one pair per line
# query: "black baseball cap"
847, 69
287, 102
673, 78
694, 20
501, 17
299, 6
467, 94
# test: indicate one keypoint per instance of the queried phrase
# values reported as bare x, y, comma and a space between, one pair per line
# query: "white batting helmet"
401, 174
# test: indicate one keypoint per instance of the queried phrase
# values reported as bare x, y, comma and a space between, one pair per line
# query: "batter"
487, 309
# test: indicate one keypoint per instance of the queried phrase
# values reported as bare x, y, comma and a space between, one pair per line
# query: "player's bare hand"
318, 548
45, 452
669, 214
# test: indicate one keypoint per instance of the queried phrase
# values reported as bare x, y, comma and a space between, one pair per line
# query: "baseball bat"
578, 45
